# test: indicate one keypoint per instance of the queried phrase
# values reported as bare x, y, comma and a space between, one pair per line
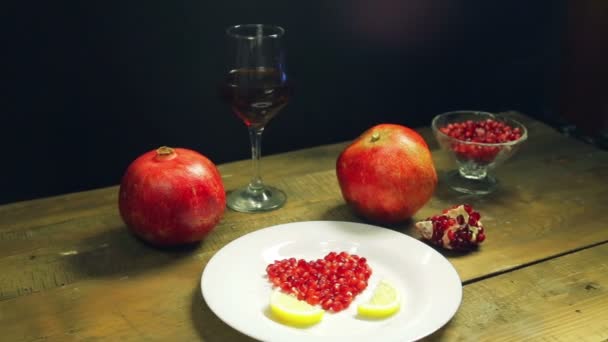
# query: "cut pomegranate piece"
332, 282
458, 228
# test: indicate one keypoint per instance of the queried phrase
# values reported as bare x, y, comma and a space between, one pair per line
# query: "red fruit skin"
387, 174
171, 199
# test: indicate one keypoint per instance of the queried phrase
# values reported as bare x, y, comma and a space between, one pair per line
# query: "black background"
90, 85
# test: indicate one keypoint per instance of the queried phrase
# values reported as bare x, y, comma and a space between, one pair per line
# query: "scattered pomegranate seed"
487, 131
332, 282
457, 228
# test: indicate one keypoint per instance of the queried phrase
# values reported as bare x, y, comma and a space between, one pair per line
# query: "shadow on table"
340, 213
116, 251
208, 326
502, 194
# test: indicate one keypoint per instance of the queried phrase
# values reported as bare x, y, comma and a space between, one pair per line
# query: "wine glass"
256, 88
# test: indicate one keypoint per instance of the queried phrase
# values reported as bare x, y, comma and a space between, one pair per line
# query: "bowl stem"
473, 171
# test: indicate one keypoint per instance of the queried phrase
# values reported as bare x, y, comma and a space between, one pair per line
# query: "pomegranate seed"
460, 219
337, 306
313, 299
326, 304
473, 218
361, 285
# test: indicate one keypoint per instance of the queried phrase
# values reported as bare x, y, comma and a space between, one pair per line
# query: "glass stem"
255, 135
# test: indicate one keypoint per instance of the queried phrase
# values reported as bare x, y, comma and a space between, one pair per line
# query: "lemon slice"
385, 301
289, 310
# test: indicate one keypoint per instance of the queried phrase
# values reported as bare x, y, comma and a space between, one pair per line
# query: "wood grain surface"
563, 299
71, 271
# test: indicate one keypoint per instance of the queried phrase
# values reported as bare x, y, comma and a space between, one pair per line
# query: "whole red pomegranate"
387, 174
171, 196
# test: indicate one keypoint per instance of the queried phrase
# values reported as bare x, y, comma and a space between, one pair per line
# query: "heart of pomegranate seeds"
457, 228
331, 282
488, 131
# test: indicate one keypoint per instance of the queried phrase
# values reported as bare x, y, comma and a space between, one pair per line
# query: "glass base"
475, 186
249, 200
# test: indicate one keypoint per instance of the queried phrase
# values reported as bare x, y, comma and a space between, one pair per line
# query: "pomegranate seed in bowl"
488, 131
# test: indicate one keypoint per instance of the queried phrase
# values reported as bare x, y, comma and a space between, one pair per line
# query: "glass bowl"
456, 133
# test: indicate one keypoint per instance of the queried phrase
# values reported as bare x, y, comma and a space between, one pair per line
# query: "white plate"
235, 286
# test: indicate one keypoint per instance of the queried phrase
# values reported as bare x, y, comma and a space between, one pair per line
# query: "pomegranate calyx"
375, 137
165, 153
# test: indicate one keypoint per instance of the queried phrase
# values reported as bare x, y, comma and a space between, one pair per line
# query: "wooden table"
69, 270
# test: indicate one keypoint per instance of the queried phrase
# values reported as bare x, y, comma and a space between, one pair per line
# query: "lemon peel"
287, 309
384, 302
